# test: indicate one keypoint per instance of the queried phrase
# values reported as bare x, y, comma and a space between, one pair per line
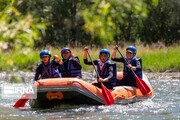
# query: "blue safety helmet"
105, 51
132, 48
44, 52
65, 49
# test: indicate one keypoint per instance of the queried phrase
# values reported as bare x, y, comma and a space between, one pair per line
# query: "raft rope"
125, 95
135, 94
144, 95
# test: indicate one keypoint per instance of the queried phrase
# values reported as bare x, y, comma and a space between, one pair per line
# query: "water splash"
164, 105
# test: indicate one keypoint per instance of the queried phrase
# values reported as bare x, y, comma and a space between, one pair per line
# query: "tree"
112, 19
17, 31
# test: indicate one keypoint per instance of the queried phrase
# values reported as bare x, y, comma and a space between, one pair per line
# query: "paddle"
22, 101
25, 97
106, 94
144, 88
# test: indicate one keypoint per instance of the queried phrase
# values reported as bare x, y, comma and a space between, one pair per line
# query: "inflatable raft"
56, 91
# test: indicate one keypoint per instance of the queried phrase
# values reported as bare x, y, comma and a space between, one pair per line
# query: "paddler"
106, 69
47, 68
71, 66
135, 63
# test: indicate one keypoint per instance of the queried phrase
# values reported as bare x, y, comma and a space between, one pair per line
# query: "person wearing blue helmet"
45, 68
135, 63
71, 66
106, 69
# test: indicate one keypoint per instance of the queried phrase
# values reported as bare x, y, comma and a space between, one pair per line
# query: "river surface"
165, 105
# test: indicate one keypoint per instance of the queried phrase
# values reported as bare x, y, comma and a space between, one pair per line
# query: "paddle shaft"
93, 64
125, 60
46, 69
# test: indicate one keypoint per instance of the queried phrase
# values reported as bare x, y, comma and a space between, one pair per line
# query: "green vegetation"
19, 61
89, 22
162, 60
17, 31
154, 60
27, 26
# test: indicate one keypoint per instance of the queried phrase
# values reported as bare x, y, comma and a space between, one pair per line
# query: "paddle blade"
22, 101
106, 95
144, 88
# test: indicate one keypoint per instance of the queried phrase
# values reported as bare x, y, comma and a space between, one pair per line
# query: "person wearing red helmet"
106, 69
135, 63
46, 68
71, 66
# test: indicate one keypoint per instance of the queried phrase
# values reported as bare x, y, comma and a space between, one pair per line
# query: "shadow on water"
164, 105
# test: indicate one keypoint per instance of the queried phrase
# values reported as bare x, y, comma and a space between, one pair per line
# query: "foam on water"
164, 105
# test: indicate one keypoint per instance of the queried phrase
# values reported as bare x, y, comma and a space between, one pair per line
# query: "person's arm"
114, 58
76, 63
110, 73
57, 63
137, 67
114, 52
85, 52
110, 70
118, 59
56, 57
38, 72
90, 63
85, 58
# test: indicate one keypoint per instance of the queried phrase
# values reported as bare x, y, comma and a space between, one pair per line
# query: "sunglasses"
129, 52
45, 57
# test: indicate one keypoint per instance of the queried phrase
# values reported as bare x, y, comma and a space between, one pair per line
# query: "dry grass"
156, 57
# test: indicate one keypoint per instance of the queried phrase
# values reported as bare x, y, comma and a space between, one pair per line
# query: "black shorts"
106, 84
126, 82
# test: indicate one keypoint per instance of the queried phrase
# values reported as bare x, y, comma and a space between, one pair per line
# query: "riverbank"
27, 77
163, 76
156, 58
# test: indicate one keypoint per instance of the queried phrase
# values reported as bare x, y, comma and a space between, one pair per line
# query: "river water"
165, 105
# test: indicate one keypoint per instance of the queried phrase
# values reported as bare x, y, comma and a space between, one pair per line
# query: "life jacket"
127, 73
53, 71
104, 73
71, 70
